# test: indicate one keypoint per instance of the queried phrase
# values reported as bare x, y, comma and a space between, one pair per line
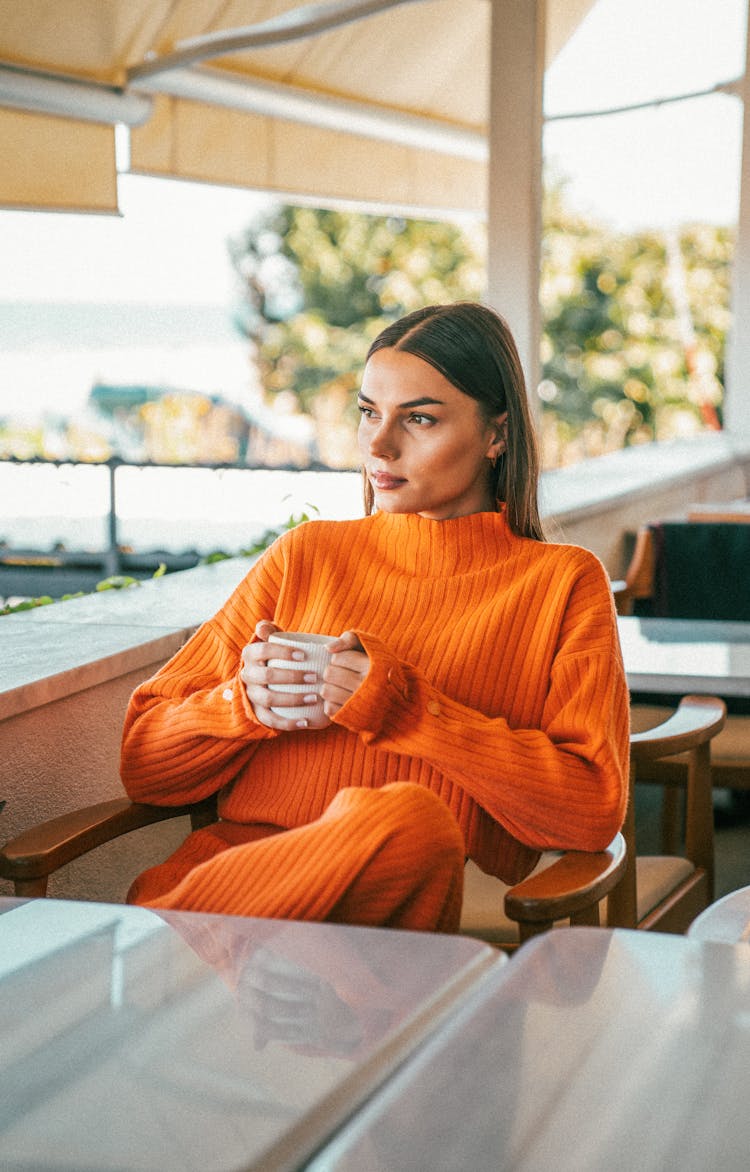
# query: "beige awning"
390, 107
55, 164
190, 140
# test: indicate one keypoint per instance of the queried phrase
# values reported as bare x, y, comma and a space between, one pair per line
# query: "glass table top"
131, 1039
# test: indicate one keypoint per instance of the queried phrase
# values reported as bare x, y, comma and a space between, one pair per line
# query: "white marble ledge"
51, 661
54, 651
584, 489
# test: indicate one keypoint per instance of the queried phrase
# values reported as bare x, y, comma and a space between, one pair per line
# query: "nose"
382, 440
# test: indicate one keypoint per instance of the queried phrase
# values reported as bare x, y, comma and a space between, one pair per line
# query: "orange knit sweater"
496, 680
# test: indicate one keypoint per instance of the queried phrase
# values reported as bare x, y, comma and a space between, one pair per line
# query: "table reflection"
138, 1039
592, 1049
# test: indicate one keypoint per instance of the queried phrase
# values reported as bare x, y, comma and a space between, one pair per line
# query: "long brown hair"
471, 345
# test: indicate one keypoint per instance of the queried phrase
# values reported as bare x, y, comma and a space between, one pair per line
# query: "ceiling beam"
46, 93
295, 25
222, 88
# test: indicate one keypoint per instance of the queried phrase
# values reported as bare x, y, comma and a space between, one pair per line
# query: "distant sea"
64, 326
50, 355
174, 509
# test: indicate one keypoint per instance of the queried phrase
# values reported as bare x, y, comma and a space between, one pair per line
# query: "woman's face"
424, 444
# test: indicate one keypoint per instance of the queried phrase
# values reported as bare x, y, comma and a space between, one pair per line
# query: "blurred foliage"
634, 327
114, 582
634, 333
262, 542
321, 284
632, 349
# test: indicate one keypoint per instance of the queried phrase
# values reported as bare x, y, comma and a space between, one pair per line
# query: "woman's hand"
259, 680
289, 1003
349, 665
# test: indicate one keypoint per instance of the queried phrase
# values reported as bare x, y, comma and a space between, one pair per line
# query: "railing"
615, 486
31, 570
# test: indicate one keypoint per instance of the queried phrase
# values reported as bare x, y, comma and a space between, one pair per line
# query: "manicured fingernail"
311, 699
309, 677
301, 724
298, 655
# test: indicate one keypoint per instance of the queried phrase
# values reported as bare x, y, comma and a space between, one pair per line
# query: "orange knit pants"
390, 857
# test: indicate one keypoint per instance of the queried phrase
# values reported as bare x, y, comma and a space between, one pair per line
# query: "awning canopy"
372, 101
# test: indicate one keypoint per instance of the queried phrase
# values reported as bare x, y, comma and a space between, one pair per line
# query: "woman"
475, 705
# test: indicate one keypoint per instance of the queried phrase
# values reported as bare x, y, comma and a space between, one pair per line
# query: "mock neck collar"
436, 548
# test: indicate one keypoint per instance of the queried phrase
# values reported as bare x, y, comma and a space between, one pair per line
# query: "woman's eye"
364, 411
420, 419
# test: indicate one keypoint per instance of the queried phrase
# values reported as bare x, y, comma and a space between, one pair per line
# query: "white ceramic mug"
317, 658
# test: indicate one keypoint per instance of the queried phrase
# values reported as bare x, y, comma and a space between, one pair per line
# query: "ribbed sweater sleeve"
191, 728
557, 786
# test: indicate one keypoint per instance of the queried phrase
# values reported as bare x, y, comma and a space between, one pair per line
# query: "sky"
653, 168
172, 231
662, 165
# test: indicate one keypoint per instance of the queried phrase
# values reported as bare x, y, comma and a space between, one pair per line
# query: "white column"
737, 361
514, 205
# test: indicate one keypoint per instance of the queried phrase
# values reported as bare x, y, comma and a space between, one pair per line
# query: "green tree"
634, 326
634, 333
319, 286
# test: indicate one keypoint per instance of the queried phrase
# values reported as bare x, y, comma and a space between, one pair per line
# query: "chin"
398, 501
391, 506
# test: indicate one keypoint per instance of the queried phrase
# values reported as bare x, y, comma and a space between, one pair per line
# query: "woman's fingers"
269, 705
348, 668
262, 681
348, 641
264, 628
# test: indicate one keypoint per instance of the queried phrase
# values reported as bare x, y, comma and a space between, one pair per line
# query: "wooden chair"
673, 573
569, 887
662, 892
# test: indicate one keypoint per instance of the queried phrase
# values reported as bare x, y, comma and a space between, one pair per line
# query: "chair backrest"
690, 730
689, 570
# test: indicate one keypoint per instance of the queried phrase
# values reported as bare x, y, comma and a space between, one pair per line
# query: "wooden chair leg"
622, 909
699, 815
588, 918
527, 930
671, 829
30, 888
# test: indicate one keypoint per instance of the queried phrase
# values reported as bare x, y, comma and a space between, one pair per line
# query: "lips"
385, 481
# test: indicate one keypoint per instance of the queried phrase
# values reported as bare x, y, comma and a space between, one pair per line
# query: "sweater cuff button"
396, 680
433, 707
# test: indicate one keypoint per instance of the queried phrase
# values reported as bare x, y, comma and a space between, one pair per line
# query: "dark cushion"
702, 571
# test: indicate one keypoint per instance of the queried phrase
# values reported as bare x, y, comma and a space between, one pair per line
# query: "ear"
498, 443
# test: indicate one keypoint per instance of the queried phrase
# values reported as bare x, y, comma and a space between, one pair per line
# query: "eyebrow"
424, 402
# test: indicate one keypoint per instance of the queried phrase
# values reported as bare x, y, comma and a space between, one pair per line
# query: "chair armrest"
571, 887
695, 721
38, 852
